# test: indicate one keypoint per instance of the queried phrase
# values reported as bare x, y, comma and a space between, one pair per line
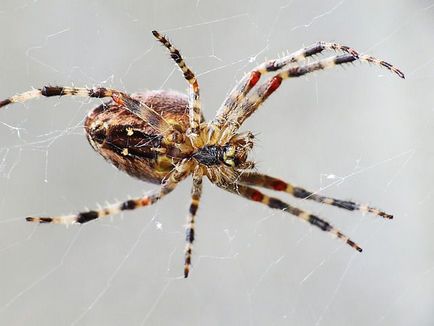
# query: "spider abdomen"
134, 145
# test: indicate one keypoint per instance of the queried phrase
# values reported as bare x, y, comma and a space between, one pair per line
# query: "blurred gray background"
355, 133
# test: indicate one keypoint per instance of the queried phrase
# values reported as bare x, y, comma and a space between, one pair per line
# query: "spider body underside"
161, 137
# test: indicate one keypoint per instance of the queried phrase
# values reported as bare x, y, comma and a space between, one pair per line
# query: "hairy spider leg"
240, 91
196, 192
48, 91
194, 104
255, 195
141, 110
167, 186
255, 99
265, 181
147, 114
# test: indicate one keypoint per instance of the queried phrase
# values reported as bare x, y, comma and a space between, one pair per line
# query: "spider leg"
149, 115
255, 195
265, 181
83, 217
240, 91
254, 100
195, 114
48, 91
136, 107
196, 192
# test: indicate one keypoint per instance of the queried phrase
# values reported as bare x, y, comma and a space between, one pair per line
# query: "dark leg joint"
193, 209
297, 71
313, 50
301, 193
98, 92
176, 56
273, 66
345, 59
40, 219
188, 75
87, 216
52, 91
323, 225
349, 205
189, 235
130, 204
277, 204
5, 102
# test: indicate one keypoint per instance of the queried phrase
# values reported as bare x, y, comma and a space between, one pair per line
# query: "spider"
161, 137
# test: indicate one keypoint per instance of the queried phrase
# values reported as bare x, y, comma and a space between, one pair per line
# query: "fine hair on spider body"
161, 137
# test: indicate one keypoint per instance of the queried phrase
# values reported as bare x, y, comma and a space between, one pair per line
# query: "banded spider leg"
254, 100
167, 186
275, 203
122, 99
265, 181
196, 192
195, 114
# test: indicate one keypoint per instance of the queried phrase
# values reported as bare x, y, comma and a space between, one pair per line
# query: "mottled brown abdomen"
133, 145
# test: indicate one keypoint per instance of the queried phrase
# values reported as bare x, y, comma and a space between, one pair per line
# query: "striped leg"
250, 80
84, 217
149, 115
134, 106
48, 91
265, 181
255, 195
194, 101
254, 100
196, 192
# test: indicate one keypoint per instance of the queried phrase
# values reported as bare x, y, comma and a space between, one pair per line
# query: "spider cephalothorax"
162, 137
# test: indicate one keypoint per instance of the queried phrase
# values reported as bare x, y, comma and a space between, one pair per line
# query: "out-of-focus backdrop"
355, 133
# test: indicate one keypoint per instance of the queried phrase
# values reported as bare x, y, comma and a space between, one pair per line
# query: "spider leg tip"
354, 245
400, 73
5, 102
386, 216
186, 271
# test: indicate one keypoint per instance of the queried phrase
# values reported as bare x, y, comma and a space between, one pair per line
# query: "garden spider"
162, 137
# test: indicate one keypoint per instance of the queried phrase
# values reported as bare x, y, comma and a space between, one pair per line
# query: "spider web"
358, 133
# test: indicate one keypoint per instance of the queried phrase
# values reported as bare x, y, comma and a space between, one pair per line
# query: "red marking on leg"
144, 202
274, 84
117, 99
256, 196
279, 185
254, 78
195, 86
